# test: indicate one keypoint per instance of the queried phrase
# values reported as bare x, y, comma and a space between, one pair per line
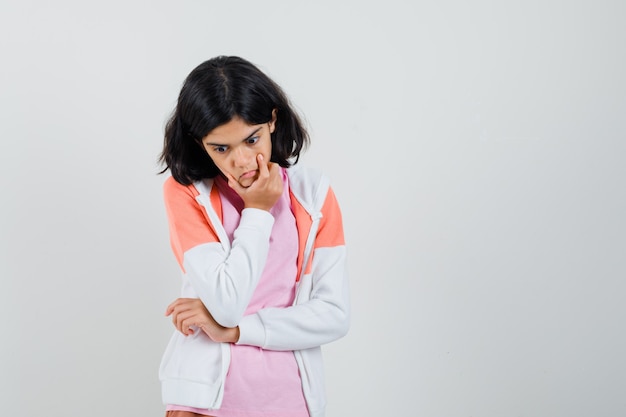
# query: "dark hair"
213, 94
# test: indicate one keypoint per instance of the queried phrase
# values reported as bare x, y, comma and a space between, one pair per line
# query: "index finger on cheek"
263, 166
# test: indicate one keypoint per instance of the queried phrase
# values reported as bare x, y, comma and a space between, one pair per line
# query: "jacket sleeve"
224, 278
322, 310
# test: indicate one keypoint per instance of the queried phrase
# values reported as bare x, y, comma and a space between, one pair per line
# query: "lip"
248, 174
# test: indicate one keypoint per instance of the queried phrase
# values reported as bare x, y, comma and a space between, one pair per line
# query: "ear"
272, 123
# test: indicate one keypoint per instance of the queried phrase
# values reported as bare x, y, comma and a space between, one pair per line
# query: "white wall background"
477, 149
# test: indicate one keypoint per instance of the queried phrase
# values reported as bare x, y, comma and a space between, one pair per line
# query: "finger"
177, 317
193, 320
180, 304
185, 325
179, 324
191, 317
180, 319
275, 181
175, 320
170, 308
263, 167
234, 184
274, 171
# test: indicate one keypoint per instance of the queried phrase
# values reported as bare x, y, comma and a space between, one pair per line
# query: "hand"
187, 312
265, 191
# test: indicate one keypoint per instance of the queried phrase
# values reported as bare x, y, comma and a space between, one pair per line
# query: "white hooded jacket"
224, 274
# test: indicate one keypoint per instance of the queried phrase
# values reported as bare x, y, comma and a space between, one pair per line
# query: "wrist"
235, 334
256, 206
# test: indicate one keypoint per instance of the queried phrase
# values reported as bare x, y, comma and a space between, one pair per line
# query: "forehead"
233, 131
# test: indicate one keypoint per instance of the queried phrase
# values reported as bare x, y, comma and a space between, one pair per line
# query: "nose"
242, 157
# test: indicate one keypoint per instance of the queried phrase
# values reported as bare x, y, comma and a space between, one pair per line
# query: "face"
234, 147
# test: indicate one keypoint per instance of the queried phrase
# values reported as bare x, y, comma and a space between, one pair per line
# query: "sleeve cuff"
257, 218
251, 331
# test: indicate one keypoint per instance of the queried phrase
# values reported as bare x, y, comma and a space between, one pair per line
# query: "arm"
223, 278
224, 281
188, 312
322, 312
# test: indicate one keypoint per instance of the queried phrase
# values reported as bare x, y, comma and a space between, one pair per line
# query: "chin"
246, 183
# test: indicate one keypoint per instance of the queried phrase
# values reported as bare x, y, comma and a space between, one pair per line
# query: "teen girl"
261, 248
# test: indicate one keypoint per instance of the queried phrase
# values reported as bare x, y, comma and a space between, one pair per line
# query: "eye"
220, 149
252, 140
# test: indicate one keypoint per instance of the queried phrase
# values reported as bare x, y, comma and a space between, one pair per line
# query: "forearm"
190, 313
294, 328
226, 279
321, 314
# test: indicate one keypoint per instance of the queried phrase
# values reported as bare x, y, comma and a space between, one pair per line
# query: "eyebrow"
243, 140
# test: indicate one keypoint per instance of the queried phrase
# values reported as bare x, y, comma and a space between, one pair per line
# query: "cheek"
220, 164
267, 151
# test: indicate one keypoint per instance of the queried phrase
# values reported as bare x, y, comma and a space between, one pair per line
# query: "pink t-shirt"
263, 383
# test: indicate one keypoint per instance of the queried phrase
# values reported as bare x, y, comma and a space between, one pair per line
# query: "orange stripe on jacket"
190, 226
188, 221
329, 233
303, 224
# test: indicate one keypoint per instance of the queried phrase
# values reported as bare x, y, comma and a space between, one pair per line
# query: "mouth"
248, 174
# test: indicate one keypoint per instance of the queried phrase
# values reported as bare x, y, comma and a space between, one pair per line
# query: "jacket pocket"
193, 369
